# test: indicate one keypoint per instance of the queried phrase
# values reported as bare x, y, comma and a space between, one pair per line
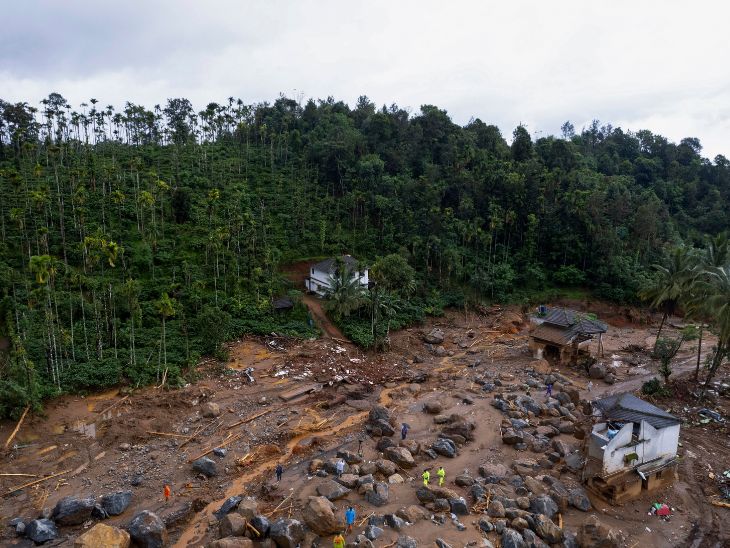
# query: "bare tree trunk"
699, 354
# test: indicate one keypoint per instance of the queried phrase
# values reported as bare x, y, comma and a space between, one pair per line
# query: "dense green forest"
133, 241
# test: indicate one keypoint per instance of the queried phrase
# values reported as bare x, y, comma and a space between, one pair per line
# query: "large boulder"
378, 496
248, 508
148, 530
206, 467
444, 447
232, 525
73, 510
578, 498
386, 467
547, 530
41, 530
179, 513
349, 457
332, 490
379, 413
262, 525
435, 336
348, 480
492, 472
401, 456
512, 539
597, 371
228, 506
373, 532
406, 542
287, 533
459, 426
544, 505
595, 534
319, 515
412, 513
210, 410
116, 503
495, 509
103, 535
459, 507
510, 436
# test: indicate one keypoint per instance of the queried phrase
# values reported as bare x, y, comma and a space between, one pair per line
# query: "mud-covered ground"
140, 440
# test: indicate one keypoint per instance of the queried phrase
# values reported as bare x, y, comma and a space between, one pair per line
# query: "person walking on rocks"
167, 492
339, 541
404, 431
350, 518
426, 477
549, 389
441, 473
340, 467
279, 471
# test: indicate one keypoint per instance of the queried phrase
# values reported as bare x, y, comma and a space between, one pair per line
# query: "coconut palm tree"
671, 284
345, 294
718, 305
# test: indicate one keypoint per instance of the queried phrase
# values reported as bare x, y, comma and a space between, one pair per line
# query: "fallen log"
720, 504
31, 483
210, 450
17, 426
112, 406
26, 475
279, 506
249, 419
172, 435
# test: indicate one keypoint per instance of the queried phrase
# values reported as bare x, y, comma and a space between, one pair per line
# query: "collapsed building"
632, 447
562, 335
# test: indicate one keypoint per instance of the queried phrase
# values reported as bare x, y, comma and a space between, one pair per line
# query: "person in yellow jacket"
339, 541
426, 477
441, 473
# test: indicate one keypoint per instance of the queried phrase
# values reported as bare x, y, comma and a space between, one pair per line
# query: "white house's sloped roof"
629, 408
328, 265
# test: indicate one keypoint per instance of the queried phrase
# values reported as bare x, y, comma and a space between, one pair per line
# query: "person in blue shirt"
350, 518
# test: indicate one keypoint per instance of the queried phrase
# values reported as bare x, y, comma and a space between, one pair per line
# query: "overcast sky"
658, 65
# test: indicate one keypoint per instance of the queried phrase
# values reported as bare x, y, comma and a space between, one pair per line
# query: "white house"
320, 274
633, 446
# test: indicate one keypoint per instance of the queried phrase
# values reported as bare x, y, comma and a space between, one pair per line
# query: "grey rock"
116, 503
148, 530
406, 542
206, 467
379, 495
287, 533
373, 532
230, 504
444, 447
512, 539
547, 530
41, 530
459, 506
262, 525
543, 504
332, 490
442, 544
349, 457
486, 525
578, 498
220, 452
394, 522
73, 510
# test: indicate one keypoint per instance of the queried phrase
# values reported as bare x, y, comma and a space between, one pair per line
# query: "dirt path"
320, 318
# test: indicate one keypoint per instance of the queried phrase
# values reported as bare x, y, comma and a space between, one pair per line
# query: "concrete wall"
319, 281
654, 443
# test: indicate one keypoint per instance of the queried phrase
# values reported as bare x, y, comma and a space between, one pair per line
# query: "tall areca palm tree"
166, 309
671, 284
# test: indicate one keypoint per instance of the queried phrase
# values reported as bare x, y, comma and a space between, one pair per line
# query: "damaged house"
632, 447
562, 335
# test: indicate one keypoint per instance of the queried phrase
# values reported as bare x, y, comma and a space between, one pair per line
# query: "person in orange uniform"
167, 492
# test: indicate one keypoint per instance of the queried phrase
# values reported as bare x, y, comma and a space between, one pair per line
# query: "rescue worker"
167, 492
279, 471
426, 477
404, 431
350, 518
340, 467
441, 473
339, 541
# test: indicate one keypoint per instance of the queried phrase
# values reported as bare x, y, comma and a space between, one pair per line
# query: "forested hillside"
133, 241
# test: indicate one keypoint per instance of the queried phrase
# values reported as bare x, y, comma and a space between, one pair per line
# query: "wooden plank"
29, 484
17, 427
112, 406
299, 391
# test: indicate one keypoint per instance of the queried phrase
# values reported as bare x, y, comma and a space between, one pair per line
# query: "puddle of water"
59, 429
88, 429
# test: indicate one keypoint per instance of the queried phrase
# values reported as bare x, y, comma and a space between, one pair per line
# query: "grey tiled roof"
564, 317
328, 265
629, 408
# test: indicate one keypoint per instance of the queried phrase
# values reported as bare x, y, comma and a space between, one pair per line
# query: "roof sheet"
565, 317
553, 334
629, 408
328, 265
